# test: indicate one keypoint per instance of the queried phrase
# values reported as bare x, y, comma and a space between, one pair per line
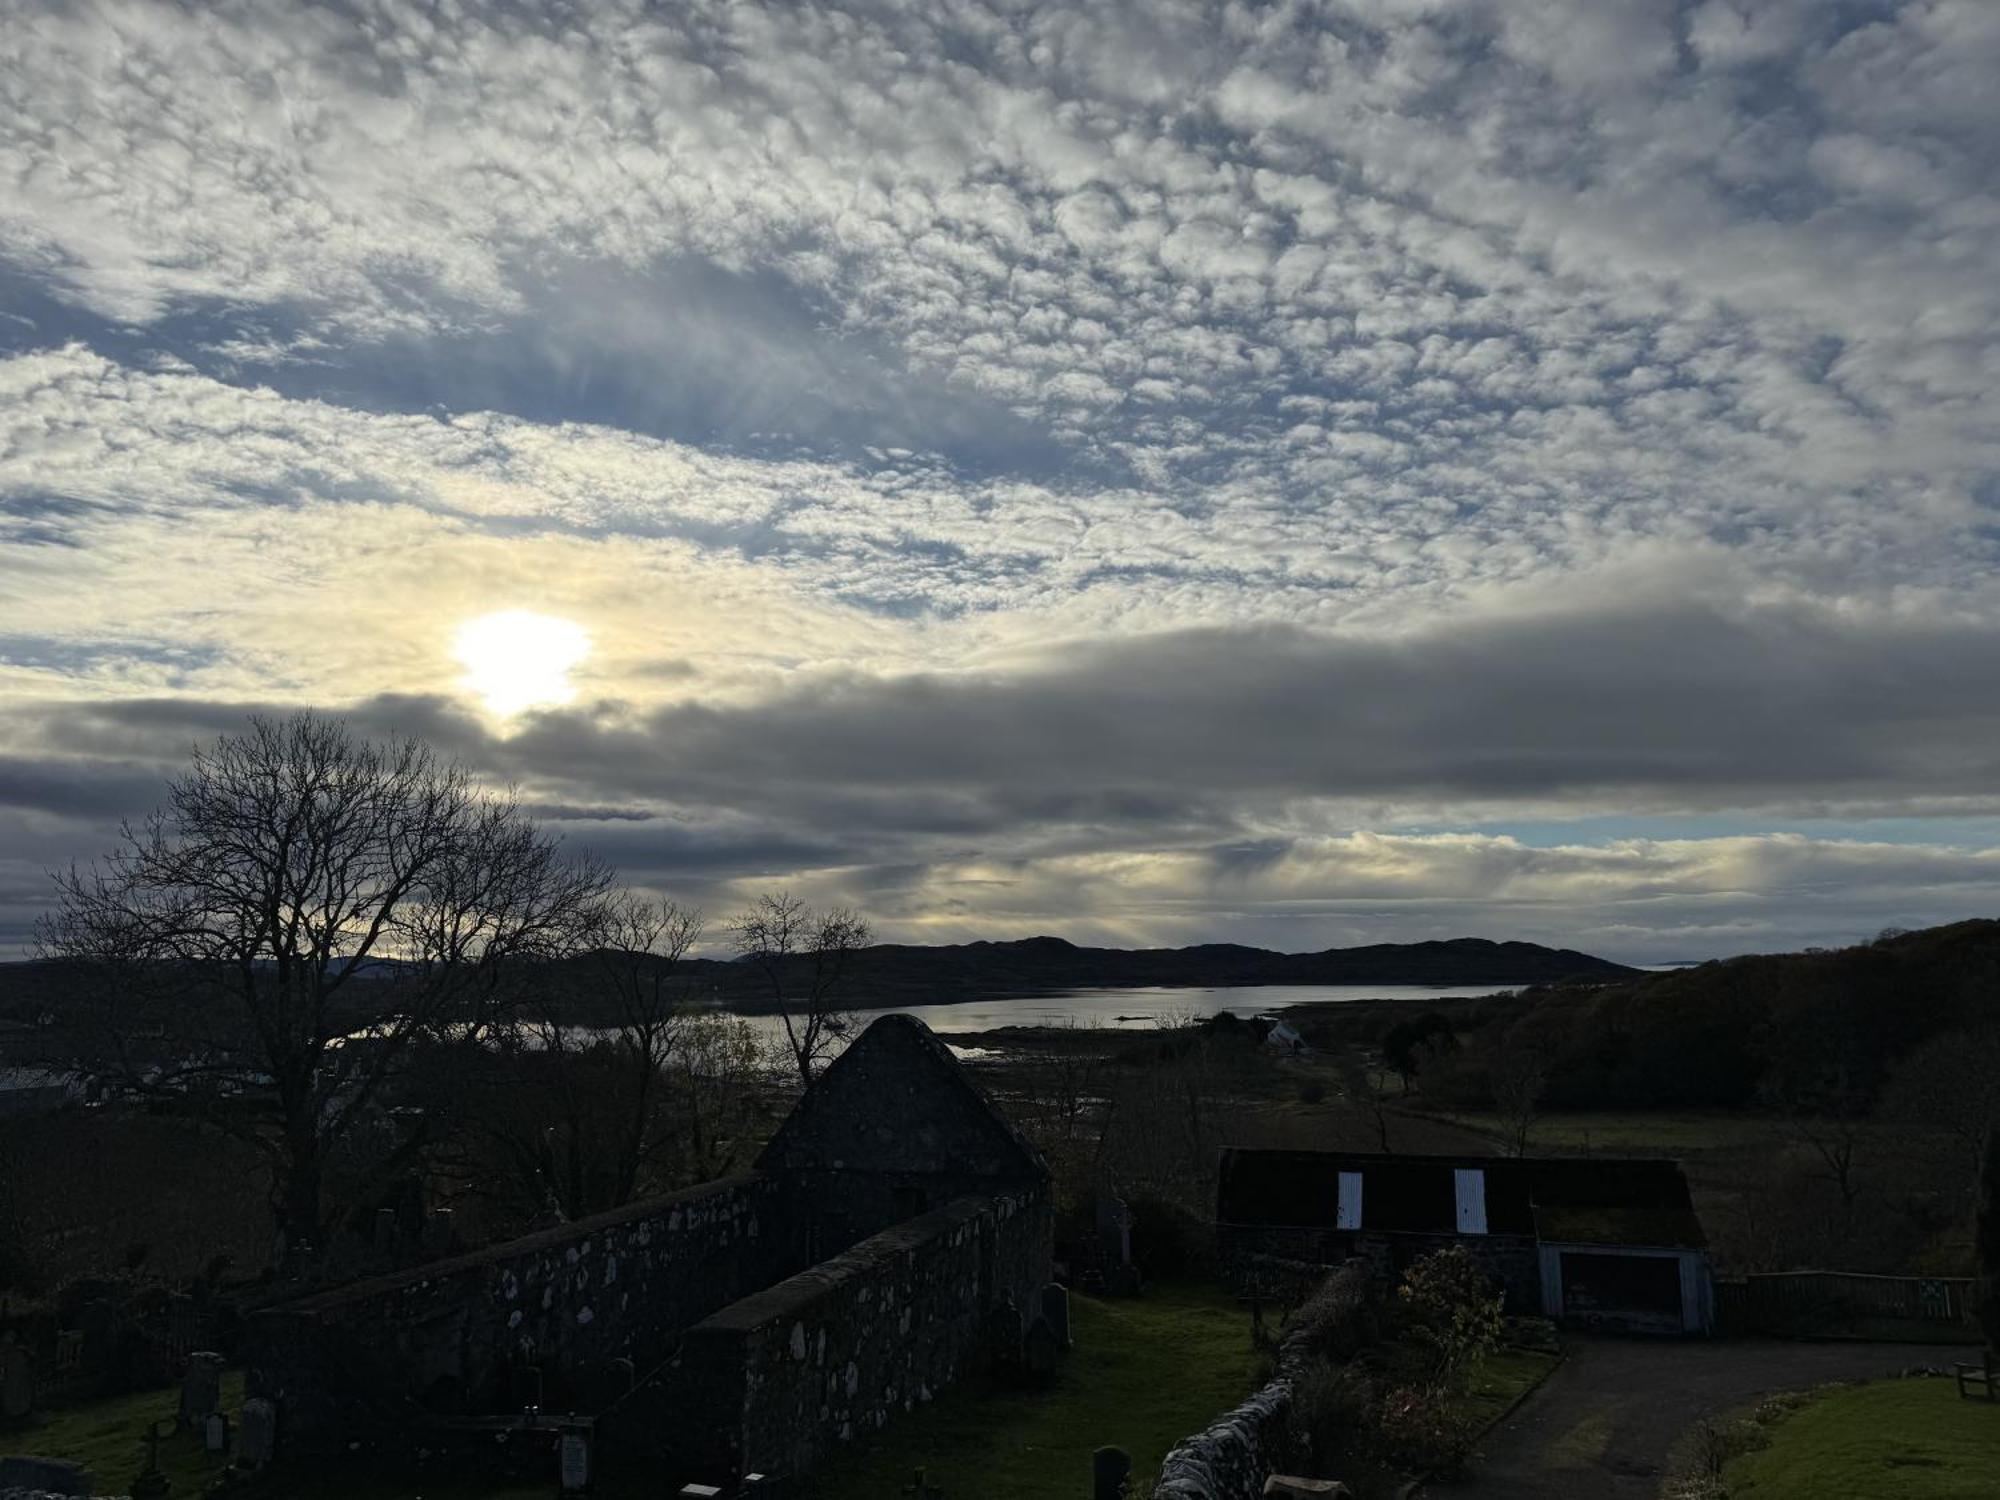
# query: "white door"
1348, 1216
1469, 1184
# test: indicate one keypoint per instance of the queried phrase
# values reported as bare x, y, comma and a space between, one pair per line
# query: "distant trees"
306, 910
805, 959
1413, 1045
1950, 1083
588, 1097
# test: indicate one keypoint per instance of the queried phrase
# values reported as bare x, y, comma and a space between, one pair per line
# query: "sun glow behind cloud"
517, 660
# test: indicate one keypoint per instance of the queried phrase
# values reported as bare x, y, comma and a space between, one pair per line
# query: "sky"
1296, 474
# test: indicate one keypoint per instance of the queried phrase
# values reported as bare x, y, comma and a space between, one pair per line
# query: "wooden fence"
1786, 1301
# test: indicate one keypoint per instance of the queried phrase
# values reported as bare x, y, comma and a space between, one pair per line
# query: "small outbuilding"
1592, 1241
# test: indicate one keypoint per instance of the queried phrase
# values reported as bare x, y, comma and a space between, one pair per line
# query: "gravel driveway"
1600, 1427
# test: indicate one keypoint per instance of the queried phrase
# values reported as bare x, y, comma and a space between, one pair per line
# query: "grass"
1890, 1440
1672, 1132
1145, 1373
108, 1437
1503, 1378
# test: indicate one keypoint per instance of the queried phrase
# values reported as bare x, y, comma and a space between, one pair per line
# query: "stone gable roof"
897, 1101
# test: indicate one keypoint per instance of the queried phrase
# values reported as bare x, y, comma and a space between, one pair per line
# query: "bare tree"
1950, 1083
1520, 1079
639, 949
306, 910
806, 959
1819, 1083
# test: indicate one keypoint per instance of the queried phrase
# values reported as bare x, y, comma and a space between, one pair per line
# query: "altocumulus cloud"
1290, 472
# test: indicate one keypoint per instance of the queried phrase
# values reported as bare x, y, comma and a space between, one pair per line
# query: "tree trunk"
1987, 1234
299, 1203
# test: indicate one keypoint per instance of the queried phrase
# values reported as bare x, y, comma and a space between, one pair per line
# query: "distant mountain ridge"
889, 973
912, 973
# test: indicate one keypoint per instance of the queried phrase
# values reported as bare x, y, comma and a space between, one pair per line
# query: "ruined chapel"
895, 1232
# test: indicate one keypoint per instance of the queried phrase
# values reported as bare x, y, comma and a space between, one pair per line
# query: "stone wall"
772, 1383
456, 1336
1510, 1259
1231, 1457
1513, 1261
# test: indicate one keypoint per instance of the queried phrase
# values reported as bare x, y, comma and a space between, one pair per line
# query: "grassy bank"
1890, 1440
1145, 1373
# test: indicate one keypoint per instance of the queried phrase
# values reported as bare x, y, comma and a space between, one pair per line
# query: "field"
1890, 1440
1145, 1373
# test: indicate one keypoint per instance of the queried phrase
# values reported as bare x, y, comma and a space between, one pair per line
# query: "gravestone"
17, 1379
152, 1483
201, 1388
52, 1476
1110, 1469
257, 1433
105, 1335
1055, 1307
215, 1432
573, 1461
1289, 1487
1040, 1350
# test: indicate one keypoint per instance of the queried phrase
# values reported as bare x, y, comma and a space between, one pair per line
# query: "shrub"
1419, 1431
1452, 1313
1330, 1407
1338, 1320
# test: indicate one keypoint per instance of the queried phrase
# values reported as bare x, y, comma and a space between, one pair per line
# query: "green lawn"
109, 1438
1503, 1378
1144, 1374
1892, 1440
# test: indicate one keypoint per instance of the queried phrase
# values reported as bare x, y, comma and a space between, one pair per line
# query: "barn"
1590, 1241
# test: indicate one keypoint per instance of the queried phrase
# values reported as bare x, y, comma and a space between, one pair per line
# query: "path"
1600, 1427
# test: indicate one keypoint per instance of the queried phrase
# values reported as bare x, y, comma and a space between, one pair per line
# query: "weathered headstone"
52, 1476
215, 1432
152, 1483
385, 1229
257, 1433
1290, 1487
1110, 1469
1040, 1350
439, 1233
573, 1461
1055, 1307
17, 1379
201, 1388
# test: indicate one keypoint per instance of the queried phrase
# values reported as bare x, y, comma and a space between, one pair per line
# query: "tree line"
353, 957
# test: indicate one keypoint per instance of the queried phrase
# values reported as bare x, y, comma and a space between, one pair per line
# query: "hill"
1718, 1033
893, 973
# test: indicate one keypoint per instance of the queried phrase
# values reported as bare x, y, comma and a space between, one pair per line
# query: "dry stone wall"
457, 1335
1231, 1457
775, 1381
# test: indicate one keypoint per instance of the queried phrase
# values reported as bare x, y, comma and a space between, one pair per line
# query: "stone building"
895, 1232
1596, 1241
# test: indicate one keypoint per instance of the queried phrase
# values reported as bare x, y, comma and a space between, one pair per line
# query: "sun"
517, 660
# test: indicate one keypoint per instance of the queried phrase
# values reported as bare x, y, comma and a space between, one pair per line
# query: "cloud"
1116, 430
